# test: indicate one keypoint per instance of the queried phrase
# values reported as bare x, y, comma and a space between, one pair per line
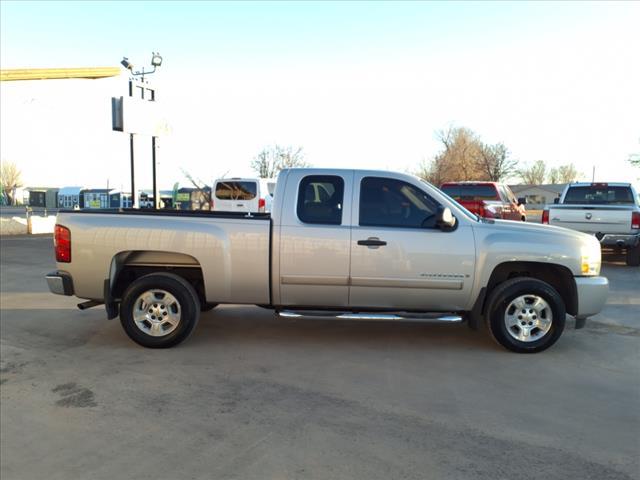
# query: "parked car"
243, 194
609, 211
487, 199
339, 243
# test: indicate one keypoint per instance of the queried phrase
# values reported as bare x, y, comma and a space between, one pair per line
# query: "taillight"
62, 244
261, 204
635, 220
545, 217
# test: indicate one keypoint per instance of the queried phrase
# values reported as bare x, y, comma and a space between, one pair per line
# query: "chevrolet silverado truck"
346, 244
609, 211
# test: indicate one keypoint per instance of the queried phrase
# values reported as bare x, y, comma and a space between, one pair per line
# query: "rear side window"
236, 190
471, 192
599, 195
385, 202
320, 199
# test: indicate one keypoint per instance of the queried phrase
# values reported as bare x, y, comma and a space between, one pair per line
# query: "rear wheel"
159, 310
525, 315
633, 256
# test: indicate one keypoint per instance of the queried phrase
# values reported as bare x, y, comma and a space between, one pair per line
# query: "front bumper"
592, 295
59, 283
619, 240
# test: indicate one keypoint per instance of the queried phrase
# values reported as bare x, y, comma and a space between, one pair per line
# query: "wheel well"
129, 266
557, 276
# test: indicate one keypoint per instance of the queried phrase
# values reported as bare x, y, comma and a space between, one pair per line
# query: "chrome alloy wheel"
528, 318
156, 312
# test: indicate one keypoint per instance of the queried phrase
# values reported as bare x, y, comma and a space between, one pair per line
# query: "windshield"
598, 195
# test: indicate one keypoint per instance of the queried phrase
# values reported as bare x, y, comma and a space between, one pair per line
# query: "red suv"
487, 199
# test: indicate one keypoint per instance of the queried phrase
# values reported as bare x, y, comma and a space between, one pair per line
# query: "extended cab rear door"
399, 259
315, 234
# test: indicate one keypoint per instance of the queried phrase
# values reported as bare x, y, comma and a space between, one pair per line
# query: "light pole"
156, 61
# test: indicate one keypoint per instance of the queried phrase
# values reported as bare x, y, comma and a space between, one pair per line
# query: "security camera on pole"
138, 114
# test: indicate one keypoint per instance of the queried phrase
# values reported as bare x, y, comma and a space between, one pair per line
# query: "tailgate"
591, 219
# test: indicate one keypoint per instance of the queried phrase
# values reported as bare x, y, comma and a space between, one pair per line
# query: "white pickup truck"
349, 244
609, 211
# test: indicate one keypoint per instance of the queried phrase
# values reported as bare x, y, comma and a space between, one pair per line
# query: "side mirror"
556, 200
445, 219
522, 201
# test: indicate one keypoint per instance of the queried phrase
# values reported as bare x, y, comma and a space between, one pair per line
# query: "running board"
406, 316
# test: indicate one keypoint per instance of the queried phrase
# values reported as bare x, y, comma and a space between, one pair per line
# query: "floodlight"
156, 59
126, 63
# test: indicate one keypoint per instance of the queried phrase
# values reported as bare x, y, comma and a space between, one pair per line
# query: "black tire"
500, 300
633, 256
188, 308
206, 307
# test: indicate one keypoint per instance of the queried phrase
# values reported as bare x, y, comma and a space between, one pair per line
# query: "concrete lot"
254, 397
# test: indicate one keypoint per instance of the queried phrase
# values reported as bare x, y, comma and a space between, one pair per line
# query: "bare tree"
460, 157
495, 161
10, 179
554, 176
430, 171
271, 160
534, 174
568, 173
204, 192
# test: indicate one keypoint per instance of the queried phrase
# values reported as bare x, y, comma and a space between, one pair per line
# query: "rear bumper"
60, 283
592, 295
619, 240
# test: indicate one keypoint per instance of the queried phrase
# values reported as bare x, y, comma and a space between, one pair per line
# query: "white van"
243, 194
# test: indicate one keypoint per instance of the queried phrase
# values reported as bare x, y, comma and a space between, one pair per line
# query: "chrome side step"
404, 316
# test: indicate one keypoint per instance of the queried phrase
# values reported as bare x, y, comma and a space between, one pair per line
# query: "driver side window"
385, 202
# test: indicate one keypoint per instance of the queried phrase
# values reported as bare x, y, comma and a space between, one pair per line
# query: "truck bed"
231, 248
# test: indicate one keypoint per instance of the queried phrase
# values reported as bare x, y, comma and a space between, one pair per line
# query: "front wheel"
159, 310
525, 315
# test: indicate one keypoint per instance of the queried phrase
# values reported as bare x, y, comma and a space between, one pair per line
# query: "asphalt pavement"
250, 396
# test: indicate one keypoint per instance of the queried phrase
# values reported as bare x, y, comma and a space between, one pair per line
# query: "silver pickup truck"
609, 211
348, 244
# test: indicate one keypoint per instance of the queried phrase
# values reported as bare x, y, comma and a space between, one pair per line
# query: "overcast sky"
361, 85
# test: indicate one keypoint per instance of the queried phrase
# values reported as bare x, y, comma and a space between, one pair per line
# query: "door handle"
372, 242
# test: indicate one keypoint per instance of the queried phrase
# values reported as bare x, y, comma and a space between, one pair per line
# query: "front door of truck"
399, 258
314, 239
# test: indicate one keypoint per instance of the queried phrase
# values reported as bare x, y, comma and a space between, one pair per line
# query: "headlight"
591, 260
